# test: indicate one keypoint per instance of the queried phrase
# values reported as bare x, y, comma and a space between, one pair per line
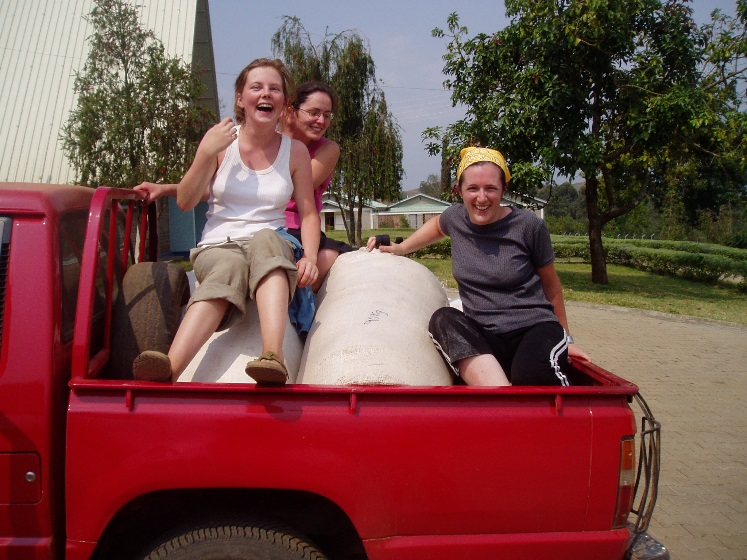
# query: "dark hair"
307, 88
277, 64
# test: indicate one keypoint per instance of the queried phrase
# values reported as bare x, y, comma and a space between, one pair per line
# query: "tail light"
626, 483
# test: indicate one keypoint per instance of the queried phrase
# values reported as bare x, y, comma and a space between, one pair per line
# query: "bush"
702, 262
440, 250
739, 240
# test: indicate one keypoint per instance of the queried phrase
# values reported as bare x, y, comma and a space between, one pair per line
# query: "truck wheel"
235, 541
146, 313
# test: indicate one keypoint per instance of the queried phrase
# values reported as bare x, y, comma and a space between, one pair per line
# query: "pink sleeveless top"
292, 219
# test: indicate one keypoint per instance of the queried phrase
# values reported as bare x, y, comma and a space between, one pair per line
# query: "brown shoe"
152, 366
268, 369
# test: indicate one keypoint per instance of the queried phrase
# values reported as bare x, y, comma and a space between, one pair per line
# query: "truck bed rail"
646, 484
108, 201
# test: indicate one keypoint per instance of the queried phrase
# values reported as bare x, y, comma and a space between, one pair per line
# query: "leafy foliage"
431, 186
370, 165
612, 90
137, 116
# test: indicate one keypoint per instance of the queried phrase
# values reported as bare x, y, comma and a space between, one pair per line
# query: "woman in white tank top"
248, 173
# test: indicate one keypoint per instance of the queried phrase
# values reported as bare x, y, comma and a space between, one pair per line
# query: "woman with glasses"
307, 120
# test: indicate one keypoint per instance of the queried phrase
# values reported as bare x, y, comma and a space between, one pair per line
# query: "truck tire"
146, 313
235, 541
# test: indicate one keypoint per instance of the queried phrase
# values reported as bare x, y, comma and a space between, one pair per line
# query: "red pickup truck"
96, 465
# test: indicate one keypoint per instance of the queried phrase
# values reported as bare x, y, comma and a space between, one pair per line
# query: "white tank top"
243, 201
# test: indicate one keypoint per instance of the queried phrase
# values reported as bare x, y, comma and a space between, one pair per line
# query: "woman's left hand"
577, 354
307, 272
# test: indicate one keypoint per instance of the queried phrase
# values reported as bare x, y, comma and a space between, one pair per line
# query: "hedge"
701, 262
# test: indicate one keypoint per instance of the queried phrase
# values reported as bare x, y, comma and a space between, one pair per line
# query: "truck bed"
444, 457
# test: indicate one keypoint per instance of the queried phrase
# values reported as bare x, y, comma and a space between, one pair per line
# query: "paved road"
693, 374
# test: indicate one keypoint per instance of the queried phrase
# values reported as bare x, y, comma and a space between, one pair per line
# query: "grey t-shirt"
495, 268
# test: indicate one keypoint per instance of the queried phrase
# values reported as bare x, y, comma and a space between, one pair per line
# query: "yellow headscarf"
474, 155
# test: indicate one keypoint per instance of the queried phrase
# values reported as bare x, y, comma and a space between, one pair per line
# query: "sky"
408, 58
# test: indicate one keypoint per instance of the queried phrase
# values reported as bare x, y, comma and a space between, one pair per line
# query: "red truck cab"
96, 465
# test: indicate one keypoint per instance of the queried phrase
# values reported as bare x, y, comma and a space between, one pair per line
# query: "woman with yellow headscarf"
513, 328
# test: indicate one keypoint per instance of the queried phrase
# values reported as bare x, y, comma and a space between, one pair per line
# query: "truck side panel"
384, 458
30, 439
597, 545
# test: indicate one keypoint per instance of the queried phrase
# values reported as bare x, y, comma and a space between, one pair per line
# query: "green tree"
137, 116
600, 87
370, 165
431, 186
710, 171
563, 200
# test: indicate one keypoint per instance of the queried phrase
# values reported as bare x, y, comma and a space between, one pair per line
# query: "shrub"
440, 250
702, 262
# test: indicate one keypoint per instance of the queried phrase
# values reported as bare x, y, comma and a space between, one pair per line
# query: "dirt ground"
693, 374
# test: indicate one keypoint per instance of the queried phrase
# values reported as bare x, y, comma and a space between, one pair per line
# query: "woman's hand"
195, 184
307, 272
371, 244
154, 191
219, 137
577, 354
382, 243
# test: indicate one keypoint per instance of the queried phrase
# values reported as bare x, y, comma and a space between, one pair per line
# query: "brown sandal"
152, 366
268, 369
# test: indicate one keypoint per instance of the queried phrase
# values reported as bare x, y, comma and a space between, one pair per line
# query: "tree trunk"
445, 169
596, 249
359, 225
351, 223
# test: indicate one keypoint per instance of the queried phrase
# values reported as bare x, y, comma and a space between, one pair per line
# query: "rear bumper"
643, 546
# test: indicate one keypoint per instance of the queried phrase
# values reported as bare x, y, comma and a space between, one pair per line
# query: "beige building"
412, 212
42, 45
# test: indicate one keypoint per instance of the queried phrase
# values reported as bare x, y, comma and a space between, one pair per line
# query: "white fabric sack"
371, 324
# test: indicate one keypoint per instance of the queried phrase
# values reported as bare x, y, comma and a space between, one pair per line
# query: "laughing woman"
513, 329
248, 172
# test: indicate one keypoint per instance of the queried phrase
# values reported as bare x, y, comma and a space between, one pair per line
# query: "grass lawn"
633, 288
627, 287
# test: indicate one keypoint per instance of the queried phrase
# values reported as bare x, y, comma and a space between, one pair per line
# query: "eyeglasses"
314, 114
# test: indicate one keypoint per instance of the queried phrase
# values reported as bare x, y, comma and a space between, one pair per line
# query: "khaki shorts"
233, 270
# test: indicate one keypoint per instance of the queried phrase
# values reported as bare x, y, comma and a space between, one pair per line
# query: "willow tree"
370, 165
599, 88
138, 116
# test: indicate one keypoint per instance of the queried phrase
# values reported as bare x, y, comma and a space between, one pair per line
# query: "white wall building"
42, 44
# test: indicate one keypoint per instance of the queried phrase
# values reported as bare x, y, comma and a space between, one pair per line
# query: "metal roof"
418, 204
42, 44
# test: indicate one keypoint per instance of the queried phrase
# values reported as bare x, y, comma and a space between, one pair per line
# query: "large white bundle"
371, 324
223, 357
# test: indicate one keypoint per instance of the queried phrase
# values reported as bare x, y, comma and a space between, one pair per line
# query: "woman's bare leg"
199, 324
271, 296
482, 370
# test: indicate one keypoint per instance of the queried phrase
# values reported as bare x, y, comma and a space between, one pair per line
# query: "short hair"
277, 64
